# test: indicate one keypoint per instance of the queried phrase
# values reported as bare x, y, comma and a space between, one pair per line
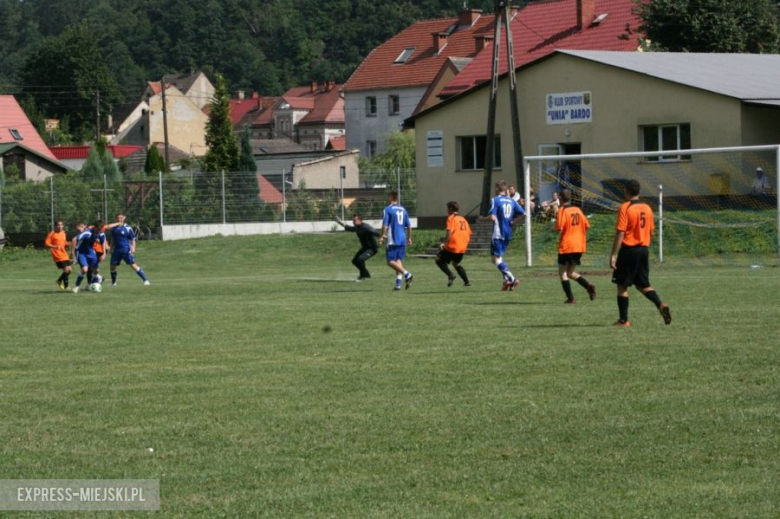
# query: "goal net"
712, 206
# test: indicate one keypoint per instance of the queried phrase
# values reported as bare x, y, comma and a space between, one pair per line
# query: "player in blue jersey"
397, 230
84, 249
123, 248
503, 211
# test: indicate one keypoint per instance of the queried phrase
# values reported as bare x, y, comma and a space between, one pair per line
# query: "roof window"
15, 134
405, 55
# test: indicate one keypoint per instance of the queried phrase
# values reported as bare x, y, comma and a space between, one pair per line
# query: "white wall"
360, 128
185, 232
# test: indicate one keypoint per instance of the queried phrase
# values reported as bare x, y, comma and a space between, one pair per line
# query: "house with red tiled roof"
75, 156
244, 110
395, 77
337, 143
309, 115
21, 145
542, 27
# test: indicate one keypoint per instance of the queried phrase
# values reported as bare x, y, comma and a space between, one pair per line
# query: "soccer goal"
712, 206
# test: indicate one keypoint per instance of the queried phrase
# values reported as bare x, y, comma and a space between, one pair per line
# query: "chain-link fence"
28, 209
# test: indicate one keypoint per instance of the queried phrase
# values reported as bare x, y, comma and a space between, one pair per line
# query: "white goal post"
696, 177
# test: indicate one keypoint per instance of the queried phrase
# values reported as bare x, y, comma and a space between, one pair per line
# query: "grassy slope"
432, 402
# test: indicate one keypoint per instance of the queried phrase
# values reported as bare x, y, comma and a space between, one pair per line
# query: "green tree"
246, 203
100, 162
220, 139
750, 26
222, 154
73, 63
399, 153
154, 161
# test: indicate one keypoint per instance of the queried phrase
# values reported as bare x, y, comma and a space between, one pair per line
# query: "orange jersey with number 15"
460, 234
635, 219
573, 226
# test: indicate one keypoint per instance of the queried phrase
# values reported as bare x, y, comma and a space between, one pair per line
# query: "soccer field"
222, 380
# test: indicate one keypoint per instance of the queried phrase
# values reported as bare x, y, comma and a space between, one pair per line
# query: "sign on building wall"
569, 108
434, 146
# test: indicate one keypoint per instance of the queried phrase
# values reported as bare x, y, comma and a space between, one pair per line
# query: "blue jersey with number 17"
505, 209
396, 219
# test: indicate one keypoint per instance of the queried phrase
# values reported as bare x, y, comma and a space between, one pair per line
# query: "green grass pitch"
269, 384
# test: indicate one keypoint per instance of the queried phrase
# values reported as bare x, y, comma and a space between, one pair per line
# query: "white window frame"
660, 142
472, 141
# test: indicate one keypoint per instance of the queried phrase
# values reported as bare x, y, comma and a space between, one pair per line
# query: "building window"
472, 152
662, 137
371, 106
15, 134
405, 55
394, 105
370, 148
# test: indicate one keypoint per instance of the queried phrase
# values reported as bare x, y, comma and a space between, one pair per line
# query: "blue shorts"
118, 257
395, 252
88, 260
498, 247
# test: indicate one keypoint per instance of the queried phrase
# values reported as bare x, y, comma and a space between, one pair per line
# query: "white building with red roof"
393, 80
308, 115
21, 145
75, 156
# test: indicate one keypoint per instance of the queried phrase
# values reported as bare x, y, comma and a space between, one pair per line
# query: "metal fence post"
224, 211
284, 196
529, 252
777, 192
161, 203
51, 199
105, 199
398, 183
661, 223
342, 174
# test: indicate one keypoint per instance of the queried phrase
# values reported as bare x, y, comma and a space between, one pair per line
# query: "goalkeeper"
368, 247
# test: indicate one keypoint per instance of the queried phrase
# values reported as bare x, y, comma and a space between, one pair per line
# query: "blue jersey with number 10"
505, 209
396, 219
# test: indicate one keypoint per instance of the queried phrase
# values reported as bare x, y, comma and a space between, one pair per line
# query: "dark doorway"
571, 171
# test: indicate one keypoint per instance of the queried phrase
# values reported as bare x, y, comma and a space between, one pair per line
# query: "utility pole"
501, 14
165, 121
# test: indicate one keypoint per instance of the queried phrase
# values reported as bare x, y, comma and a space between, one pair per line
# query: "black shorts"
572, 258
632, 267
62, 264
447, 256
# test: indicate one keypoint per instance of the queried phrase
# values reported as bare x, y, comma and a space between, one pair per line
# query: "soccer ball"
96, 287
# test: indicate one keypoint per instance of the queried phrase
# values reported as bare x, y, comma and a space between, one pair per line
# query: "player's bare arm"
615, 248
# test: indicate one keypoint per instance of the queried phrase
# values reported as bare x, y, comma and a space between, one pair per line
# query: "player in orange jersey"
633, 233
101, 247
573, 226
455, 245
57, 242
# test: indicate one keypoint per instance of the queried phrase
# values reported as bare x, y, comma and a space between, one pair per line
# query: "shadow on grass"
502, 303
567, 325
